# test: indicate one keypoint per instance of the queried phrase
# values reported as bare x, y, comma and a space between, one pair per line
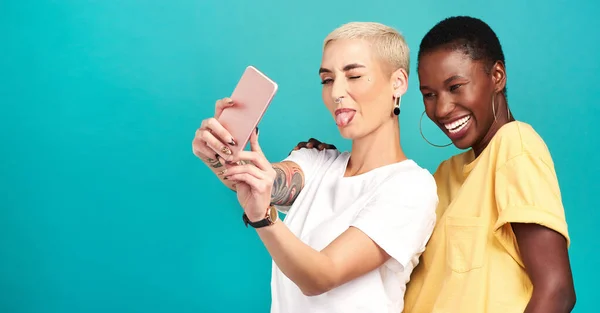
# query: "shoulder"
518, 139
308, 159
314, 154
453, 165
409, 184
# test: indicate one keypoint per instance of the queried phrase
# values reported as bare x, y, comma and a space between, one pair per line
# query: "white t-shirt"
394, 205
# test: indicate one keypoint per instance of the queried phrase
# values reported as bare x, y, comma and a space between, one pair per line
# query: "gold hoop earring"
508, 114
421, 131
494, 108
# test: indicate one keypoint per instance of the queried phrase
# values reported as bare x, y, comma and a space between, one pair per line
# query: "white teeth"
457, 125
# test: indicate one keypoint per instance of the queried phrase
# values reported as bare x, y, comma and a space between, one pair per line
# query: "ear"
399, 82
499, 76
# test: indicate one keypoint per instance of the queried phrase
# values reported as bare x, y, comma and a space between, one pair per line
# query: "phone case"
252, 96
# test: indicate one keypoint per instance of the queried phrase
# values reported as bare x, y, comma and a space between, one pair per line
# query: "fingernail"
226, 150
232, 142
230, 101
222, 172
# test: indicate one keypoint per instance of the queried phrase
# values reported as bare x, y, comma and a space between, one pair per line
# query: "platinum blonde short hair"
389, 44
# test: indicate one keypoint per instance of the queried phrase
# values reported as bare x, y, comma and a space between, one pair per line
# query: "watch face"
272, 214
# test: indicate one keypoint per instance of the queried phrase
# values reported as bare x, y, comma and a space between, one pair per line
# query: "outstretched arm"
349, 256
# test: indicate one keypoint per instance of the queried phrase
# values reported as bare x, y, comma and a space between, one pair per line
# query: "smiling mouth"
457, 125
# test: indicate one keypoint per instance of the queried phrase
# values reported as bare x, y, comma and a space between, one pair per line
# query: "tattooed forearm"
287, 185
214, 163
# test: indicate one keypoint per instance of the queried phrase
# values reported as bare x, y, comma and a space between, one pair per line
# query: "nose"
443, 107
338, 90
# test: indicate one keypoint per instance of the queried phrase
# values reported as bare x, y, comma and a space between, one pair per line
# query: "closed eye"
428, 95
454, 87
326, 81
354, 77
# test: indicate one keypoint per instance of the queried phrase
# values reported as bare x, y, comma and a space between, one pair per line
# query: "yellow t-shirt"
472, 261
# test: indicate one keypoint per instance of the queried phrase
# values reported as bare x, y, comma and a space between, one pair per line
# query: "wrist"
269, 217
257, 217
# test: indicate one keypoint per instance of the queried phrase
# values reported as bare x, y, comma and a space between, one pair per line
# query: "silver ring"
338, 100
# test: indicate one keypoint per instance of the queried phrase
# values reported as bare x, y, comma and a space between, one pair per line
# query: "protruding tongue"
343, 118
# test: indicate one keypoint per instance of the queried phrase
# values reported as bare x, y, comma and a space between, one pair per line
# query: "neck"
379, 148
503, 117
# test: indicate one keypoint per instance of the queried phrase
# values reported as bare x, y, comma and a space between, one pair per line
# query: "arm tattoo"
214, 163
287, 185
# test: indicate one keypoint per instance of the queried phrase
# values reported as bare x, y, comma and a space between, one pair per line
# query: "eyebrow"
446, 81
346, 68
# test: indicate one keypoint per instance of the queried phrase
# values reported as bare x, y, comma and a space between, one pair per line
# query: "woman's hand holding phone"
253, 176
212, 141
248, 172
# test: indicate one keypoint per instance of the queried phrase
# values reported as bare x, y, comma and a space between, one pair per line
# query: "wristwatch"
269, 219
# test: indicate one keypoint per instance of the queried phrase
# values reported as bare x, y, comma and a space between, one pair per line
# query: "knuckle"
203, 135
210, 122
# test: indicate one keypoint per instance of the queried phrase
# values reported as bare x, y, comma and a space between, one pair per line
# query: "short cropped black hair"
471, 35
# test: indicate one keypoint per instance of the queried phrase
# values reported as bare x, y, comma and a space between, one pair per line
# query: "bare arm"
349, 256
546, 260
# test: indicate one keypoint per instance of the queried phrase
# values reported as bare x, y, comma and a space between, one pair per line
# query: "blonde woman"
360, 219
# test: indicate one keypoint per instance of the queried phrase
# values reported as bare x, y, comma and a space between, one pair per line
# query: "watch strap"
262, 223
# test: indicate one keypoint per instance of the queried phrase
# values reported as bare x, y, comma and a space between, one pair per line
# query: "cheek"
368, 97
361, 92
479, 104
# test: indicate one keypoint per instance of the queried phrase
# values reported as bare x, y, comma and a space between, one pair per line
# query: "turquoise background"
103, 206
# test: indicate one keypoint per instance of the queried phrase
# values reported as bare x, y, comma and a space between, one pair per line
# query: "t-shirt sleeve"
309, 160
400, 217
527, 191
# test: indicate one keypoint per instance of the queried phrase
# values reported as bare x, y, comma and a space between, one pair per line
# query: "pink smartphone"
251, 98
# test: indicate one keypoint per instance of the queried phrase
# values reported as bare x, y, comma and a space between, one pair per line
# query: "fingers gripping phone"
251, 98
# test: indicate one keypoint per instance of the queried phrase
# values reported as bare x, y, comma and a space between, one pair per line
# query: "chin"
350, 133
466, 142
462, 144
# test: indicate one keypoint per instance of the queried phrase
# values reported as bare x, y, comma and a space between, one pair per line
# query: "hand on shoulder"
314, 144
